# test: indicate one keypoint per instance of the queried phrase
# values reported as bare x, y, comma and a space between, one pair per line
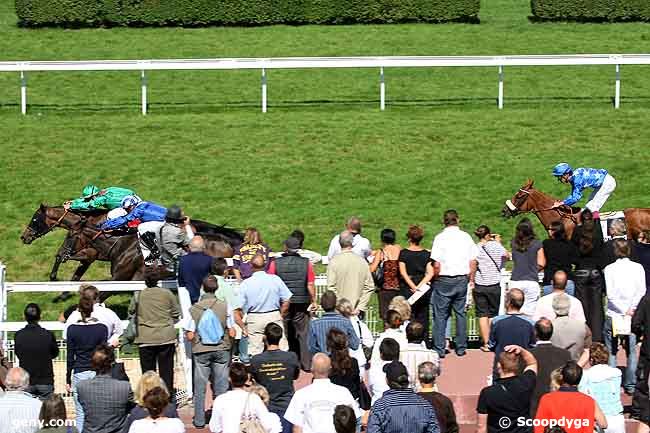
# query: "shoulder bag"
378, 274
250, 423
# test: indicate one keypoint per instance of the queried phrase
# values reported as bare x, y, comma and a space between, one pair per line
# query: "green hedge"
591, 10
93, 13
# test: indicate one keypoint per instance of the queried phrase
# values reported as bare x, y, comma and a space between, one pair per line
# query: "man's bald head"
354, 225
515, 299
197, 244
346, 239
321, 364
559, 280
17, 379
258, 262
544, 329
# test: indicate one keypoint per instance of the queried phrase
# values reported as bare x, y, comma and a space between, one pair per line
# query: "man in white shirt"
545, 304
360, 245
416, 353
311, 408
625, 283
228, 408
19, 411
454, 253
389, 351
103, 315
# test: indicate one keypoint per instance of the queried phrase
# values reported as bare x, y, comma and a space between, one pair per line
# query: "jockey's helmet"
561, 169
174, 214
130, 201
89, 191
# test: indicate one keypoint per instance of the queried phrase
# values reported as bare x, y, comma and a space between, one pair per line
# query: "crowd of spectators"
554, 346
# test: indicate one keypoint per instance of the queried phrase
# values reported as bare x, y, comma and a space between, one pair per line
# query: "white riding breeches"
115, 213
149, 226
600, 195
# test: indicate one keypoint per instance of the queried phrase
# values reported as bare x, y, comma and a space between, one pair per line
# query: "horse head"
37, 227
520, 202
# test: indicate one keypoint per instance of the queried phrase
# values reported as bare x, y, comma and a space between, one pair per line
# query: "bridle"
561, 212
49, 228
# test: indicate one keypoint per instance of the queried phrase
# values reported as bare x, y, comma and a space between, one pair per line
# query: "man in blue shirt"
602, 183
264, 299
400, 409
319, 328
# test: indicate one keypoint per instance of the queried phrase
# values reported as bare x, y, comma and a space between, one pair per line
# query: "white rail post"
3, 303
143, 84
617, 95
500, 102
382, 90
263, 90
23, 92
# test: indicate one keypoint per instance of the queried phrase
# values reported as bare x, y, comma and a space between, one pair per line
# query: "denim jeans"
42, 392
570, 288
629, 376
449, 294
79, 411
287, 427
243, 350
209, 364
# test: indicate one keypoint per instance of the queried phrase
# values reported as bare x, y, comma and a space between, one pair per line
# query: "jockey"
600, 180
94, 198
149, 218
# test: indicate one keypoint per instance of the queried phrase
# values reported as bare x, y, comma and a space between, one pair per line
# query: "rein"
563, 214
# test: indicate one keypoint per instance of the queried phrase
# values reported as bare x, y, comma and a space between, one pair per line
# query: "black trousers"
641, 398
296, 326
589, 290
163, 356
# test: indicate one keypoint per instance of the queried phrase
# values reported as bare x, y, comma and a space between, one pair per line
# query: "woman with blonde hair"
156, 400
362, 353
252, 246
148, 381
402, 306
270, 418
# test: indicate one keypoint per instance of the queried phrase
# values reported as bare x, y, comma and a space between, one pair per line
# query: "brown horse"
530, 200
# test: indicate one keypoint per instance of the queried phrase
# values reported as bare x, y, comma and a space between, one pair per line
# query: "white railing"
382, 63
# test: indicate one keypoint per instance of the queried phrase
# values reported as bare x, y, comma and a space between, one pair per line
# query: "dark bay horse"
531, 200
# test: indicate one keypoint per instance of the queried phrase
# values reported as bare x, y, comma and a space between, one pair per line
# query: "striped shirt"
319, 328
402, 411
414, 355
490, 261
19, 412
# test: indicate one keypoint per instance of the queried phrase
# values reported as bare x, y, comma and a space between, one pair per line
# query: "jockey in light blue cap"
602, 183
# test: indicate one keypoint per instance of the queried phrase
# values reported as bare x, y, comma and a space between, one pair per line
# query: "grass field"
324, 151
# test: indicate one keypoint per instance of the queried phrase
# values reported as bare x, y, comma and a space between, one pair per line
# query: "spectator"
192, 270
349, 277
549, 358
53, 417
508, 398
603, 384
243, 256
174, 237
156, 401
454, 254
265, 299
512, 328
400, 409
263, 394
444, 408
642, 253
344, 419
100, 312
157, 311
106, 401
313, 256
392, 329
366, 340
641, 399
276, 370
311, 409
402, 306
360, 245
298, 274
330, 319
83, 337
589, 280
388, 258
527, 260
148, 381
389, 351
617, 230
570, 404
413, 262
487, 292
416, 352
560, 255
17, 406
545, 304
211, 359
345, 369
230, 294
568, 333
625, 282
36, 347
229, 408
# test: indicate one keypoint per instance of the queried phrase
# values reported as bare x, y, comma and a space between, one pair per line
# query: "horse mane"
90, 212
219, 232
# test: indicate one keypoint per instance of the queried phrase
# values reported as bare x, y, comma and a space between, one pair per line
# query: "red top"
568, 408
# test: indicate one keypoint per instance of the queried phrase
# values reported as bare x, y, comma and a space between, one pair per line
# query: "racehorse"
531, 200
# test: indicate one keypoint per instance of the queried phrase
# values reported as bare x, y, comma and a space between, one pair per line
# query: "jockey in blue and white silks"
602, 183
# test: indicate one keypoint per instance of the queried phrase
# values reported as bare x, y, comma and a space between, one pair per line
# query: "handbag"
250, 423
365, 401
131, 331
378, 274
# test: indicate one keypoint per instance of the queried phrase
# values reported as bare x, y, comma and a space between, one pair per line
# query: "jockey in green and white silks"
93, 197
